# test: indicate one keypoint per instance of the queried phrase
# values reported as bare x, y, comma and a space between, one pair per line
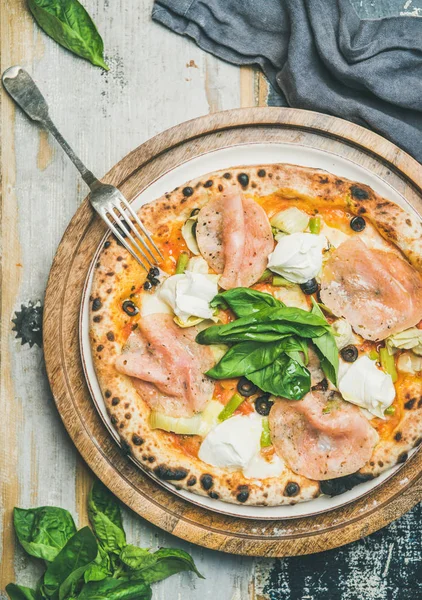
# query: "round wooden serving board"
61, 345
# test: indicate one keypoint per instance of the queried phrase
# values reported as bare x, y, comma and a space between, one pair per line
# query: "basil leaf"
106, 519
43, 531
326, 349
20, 592
295, 352
266, 326
69, 24
284, 377
70, 564
100, 568
158, 565
244, 301
115, 589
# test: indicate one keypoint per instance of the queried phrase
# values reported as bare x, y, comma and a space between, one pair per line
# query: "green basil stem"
265, 275
281, 281
373, 355
182, 263
231, 406
265, 435
315, 225
387, 363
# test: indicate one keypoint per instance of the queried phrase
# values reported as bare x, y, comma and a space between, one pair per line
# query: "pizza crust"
156, 450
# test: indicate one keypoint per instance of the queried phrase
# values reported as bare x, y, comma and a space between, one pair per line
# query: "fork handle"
22, 88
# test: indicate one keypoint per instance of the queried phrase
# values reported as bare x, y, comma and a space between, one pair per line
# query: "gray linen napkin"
320, 55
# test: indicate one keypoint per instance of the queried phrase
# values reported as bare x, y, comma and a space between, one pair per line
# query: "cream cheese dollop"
189, 294
233, 443
260, 468
367, 386
298, 257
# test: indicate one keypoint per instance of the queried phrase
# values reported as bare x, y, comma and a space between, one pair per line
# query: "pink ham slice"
234, 236
167, 366
378, 292
321, 445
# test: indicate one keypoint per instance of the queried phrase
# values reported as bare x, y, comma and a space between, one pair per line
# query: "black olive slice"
130, 308
194, 212
349, 353
246, 388
154, 272
358, 223
243, 179
154, 281
187, 191
147, 286
309, 287
263, 405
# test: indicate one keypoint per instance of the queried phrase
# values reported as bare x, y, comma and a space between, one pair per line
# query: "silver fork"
106, 199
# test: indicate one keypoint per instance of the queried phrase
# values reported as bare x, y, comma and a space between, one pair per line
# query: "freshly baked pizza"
275, 353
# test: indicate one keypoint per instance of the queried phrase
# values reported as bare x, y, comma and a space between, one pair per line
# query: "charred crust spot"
191, 481
137, 440
358, 193
125, 447
291, 489
187, 191
97, 318
110, 336
128, 415
114, 420
110, 274
410, 404
362, 210
170, 473
243, 179
227, 175
261, 173
107, 394
408, 222
420, 403
402, 458
242, 493
323, 179
151, 459
335, 487
398, 436
338, 182
107, 245
220, 187
206, 481
100, 347
96, 304
213, 495
380, 463
208, 183
418, 442
115, 401
109, 290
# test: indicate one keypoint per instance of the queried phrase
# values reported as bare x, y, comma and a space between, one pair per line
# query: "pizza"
275, 353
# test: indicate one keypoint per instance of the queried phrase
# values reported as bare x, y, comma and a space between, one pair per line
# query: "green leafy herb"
43, 531
285, 377
326, 349
280, 281
245, 358
100, 568
182, 263
161, 564
106, 519
115, 589
244, 301
266, 434
70, 564
69, 24
19, 592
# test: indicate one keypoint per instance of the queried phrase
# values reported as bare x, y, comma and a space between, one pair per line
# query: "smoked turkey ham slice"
378, 292
234, 236
321, 436
167, 366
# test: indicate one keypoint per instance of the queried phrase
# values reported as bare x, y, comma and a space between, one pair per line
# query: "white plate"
248, 154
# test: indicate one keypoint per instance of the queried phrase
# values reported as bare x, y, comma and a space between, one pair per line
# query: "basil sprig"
91, 565
270, 343
69, 24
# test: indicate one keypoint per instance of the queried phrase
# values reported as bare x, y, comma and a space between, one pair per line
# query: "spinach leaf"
20, 592
100, 568
158, 565
266, 326
243, 301
115, 589
284, 377
70, 564
106, 519
326, 349
69, 24
246, 357
43, 531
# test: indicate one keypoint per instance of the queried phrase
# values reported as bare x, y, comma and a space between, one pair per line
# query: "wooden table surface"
157, 79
